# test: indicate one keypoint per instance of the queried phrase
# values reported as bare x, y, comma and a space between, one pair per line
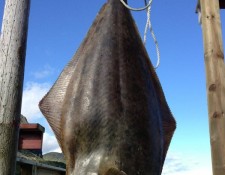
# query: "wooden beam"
12, 59
32, 126
215, 73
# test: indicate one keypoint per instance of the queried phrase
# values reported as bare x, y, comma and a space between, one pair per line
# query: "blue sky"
56, 29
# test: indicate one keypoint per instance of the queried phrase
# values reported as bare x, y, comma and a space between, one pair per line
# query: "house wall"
30, 140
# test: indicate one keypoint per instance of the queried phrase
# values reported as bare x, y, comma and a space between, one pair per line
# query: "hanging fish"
107, 108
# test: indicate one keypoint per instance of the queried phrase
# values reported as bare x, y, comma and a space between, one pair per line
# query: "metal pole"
215, 75
12, 58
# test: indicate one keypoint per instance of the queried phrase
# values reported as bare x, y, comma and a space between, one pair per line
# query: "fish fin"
168, 121
52, 103
169, 126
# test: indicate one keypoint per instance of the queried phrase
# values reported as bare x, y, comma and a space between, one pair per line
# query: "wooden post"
12, 58
215, 73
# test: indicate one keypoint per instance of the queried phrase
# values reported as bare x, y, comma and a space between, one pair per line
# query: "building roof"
32, 126
29, 156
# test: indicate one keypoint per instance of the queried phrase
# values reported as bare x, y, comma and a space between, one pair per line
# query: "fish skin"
107, 109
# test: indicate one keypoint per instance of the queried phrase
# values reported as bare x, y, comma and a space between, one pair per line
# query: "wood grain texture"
12, 58
215, 73
112, 117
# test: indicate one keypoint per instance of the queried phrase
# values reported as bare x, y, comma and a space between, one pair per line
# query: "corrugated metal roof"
30, 157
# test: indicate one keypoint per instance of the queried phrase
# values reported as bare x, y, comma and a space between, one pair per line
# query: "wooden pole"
215, 73
12, 58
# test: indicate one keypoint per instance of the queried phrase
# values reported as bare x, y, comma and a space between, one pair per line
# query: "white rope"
148, 26
136, 9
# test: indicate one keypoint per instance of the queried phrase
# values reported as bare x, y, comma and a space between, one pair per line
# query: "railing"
28, 167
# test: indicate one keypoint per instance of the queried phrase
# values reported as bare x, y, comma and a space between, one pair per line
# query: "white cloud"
50, 144
47, 71
32, 94
178, 164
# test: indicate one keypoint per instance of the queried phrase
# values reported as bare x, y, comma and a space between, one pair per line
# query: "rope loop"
147, 26
136, 9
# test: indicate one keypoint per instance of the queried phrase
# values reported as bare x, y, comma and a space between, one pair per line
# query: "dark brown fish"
107, 108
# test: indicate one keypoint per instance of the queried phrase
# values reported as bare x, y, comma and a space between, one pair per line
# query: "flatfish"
107, 108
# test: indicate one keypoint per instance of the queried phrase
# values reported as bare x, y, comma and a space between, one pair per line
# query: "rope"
136, 9
148, 26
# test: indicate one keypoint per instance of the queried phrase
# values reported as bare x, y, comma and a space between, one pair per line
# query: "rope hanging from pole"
147, 26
